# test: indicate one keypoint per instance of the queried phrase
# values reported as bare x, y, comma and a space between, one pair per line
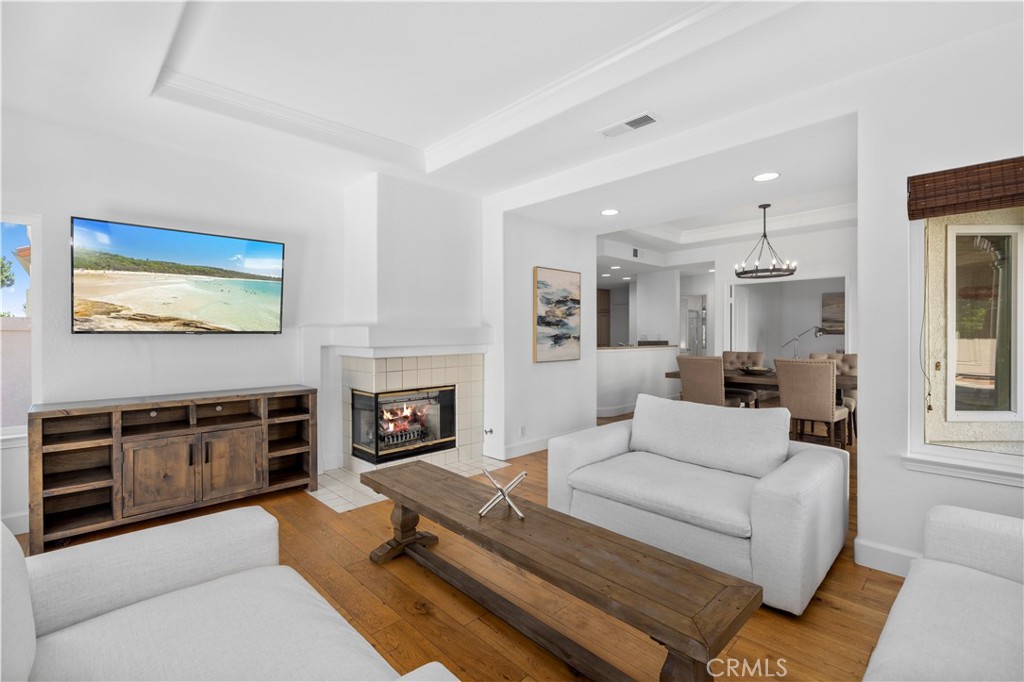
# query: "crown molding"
844, 215
704, 25
179, 87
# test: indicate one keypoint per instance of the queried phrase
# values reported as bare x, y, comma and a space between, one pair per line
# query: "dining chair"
735, 360
807, 389
703, 379
846, 365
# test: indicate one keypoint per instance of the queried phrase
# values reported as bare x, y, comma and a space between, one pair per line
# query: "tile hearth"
341, 490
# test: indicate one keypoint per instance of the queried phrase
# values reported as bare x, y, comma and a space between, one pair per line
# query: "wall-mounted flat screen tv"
137, 279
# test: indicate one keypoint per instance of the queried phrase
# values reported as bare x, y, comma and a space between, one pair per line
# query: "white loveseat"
203, 599
722, 486
960, 612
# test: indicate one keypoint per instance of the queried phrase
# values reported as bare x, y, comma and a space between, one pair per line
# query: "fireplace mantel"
388, 341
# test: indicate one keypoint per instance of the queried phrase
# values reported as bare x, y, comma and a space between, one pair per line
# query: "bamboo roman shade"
983, 187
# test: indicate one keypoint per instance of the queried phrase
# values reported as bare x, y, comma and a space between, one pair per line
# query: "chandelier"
774, 266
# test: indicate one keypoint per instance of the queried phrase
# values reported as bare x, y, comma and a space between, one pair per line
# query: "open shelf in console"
73, 471
287, 471
288, 408
78, 431
76, 512
227, 413
155, 421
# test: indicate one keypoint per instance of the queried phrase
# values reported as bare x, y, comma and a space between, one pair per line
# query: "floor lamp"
818, 333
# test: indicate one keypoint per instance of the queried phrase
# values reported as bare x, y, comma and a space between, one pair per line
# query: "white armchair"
202, 599
723, 487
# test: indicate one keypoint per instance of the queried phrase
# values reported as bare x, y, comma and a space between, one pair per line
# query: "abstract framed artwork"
833, 312
556, 315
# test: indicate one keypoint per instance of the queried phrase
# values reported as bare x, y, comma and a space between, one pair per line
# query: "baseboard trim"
616, 410
527, 447
13, 437
882, 557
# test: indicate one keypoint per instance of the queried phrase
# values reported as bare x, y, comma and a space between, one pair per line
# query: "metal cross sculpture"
503, 495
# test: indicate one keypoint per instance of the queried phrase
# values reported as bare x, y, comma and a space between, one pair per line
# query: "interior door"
158, 474
232, 461
604, 317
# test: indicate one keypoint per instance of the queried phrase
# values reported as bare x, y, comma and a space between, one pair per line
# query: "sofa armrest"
77, 583
799, 516
992, 543
573, 451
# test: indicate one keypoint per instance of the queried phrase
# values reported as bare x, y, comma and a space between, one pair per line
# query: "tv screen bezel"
280, 312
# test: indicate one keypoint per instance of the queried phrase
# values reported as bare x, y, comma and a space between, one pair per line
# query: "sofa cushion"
712, 499
950, 622
261, 624
19, 628
744, 441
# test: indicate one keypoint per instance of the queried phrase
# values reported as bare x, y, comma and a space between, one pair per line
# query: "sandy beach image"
151, 301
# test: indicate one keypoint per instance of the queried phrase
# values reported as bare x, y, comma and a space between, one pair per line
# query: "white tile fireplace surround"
376, 375
340, 488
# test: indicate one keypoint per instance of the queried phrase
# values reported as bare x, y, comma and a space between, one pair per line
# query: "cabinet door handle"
207, 456
191, 454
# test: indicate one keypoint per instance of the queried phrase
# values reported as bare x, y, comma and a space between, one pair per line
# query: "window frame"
954, 230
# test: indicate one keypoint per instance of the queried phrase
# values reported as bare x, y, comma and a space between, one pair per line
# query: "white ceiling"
480, 97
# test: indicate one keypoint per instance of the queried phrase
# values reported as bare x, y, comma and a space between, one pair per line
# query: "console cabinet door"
232, 462
158, 474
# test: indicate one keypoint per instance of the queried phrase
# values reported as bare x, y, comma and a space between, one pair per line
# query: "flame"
402, 419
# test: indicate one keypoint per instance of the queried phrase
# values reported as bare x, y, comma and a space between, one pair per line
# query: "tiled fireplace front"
408, 375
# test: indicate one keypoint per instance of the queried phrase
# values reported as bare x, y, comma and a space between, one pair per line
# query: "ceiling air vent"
616, 129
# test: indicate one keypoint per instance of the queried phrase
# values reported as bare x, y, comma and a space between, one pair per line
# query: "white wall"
57, 172
906, 126
428, 268
548, 398
779, 310
624, 373
657, 303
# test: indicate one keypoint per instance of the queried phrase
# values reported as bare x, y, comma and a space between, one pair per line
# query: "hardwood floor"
413, 617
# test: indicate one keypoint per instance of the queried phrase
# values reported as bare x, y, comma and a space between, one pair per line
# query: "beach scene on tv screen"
129, 278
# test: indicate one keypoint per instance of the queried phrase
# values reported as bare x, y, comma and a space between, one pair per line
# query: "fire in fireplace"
399, 424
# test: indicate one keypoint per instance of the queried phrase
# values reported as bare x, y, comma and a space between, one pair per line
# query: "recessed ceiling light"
627, 278
615, 267
765, 177
610, 211
605, 274
711, 270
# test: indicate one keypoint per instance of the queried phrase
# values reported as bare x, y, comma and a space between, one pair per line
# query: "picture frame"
833, 312
556, 314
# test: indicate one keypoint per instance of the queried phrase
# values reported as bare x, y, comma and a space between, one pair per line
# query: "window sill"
990, 467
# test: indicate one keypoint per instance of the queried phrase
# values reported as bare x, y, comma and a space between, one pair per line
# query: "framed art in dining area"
556, 315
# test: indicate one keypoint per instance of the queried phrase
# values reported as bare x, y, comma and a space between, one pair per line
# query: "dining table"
735, 378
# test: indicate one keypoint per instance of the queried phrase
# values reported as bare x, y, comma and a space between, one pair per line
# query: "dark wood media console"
102, 463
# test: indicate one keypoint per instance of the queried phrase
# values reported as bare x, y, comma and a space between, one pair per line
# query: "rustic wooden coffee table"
691, 609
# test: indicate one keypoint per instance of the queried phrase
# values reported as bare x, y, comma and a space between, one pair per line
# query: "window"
16, 256
974, 359
984, 358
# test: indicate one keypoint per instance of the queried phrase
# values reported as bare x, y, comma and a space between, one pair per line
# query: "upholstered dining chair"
846, 365
703, 381
808, 390
735, 359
